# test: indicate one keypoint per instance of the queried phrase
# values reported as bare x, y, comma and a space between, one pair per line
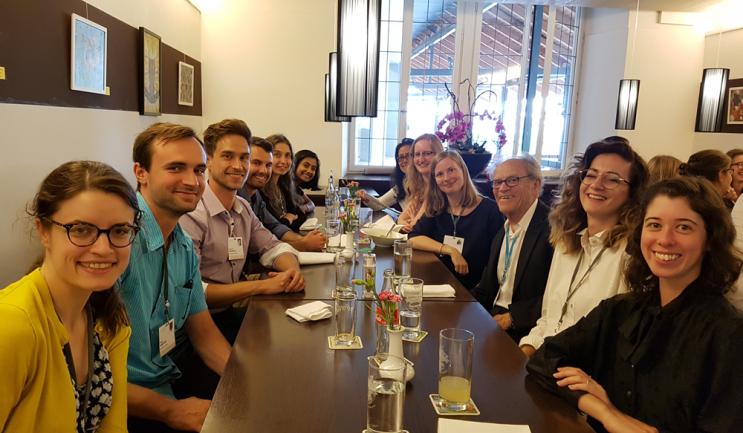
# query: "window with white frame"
527, 81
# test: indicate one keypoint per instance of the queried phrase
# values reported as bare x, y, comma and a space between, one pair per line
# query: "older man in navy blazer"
512, 284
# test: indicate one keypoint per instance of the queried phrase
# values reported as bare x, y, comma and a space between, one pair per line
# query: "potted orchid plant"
455, 129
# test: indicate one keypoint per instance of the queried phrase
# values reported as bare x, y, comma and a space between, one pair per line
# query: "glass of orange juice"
456, 347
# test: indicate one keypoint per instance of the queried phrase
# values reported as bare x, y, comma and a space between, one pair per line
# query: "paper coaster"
440, 406
369, 431
353, 346
420, 335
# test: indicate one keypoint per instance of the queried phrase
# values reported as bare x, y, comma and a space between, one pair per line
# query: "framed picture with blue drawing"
89, 46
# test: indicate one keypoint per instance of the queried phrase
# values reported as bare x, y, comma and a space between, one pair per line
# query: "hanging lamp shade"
331, 85
358, 57
629, 91
710, 110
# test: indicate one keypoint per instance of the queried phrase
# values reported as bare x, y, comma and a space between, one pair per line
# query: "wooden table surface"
320, 279
281, 376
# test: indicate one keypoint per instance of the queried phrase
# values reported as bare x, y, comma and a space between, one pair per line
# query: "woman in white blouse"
396, 194
589, 228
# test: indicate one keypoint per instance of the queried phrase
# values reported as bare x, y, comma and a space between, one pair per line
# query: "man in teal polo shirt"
164, 298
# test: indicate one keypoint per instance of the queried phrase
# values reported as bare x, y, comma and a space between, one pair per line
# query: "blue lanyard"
510, 245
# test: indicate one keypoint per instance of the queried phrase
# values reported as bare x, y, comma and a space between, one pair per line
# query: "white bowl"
380, 236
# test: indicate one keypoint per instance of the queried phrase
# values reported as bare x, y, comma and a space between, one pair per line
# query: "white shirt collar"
523, 223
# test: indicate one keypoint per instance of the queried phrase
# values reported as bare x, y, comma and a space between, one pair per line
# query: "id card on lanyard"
166, 332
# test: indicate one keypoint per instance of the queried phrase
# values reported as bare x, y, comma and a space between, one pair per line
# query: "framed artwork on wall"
149, 73
733, 107
89, 53
185, 84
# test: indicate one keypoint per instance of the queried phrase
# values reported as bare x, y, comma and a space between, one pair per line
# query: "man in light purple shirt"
225, 230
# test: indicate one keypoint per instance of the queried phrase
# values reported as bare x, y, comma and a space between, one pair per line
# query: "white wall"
730, 48
264, 62
667, 61
37, 139
601, 68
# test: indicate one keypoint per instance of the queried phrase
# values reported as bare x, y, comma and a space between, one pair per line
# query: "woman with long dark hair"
305, 173
65, 333
396, 194
279, 192
664, 357
714, 166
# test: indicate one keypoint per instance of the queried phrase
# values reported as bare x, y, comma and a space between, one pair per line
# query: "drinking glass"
352, 234
386, 394
334, 230
343, 193
403, 258
411, 308
331, 213
369, 263
363, 244
345, 317
343, 273
456, 347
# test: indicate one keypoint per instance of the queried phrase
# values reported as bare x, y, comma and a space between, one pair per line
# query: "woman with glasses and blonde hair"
424, 149
396, 194
589, 224
663, 357
459, 224
714, 166
65, 333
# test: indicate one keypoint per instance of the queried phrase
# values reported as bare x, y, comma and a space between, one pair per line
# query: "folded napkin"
438, 291
316, 310
310, 224
337, 240
306, 258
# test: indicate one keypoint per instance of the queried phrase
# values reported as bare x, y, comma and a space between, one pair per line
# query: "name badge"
167, 337
454, 241
235, 248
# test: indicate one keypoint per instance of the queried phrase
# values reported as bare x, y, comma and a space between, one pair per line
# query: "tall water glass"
332, 212
363, 242
386, 393
411, 290
456, 347
403, 258
344, 268
334, 230
345, 318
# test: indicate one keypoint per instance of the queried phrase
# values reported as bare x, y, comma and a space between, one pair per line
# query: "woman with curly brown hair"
663, 357
589, 227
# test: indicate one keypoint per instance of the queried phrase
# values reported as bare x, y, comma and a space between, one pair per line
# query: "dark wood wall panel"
35, 51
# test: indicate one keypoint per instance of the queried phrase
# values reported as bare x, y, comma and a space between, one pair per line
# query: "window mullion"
528, 20
407, 50
547, 72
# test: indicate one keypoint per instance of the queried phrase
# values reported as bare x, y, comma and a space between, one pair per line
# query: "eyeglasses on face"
424, 154
610, 180
403, 157
737, 165
510, 181
85, 234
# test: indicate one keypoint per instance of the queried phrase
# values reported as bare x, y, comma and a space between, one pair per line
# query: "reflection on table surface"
282, 377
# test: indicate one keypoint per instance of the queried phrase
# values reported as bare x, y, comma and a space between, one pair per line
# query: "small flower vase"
390, 341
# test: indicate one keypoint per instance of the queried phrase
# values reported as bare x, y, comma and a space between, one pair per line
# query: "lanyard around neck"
510, 245
572, 289
166, 246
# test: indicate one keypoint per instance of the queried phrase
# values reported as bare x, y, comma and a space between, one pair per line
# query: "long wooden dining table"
282, 377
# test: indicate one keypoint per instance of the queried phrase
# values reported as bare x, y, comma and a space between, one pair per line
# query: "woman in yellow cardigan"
65, 336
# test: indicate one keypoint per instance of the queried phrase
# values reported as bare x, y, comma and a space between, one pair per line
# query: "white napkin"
310, 224
307, 258
337, 240
316, 310
438, 291
447, 425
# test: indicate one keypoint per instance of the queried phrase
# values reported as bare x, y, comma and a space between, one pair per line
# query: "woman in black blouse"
279, 192
459, 224
666, 356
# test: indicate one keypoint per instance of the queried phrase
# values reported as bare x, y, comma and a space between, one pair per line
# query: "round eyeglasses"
85, 234
510, 181
610, 180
